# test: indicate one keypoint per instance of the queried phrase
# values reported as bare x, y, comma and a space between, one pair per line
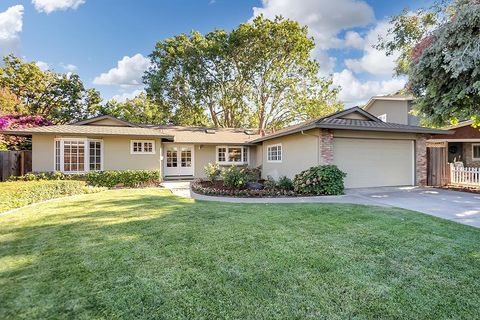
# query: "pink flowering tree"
8, 142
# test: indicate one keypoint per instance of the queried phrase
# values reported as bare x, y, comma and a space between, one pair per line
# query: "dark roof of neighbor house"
340, 120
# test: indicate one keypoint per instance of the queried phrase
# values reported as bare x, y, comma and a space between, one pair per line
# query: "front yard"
146, 254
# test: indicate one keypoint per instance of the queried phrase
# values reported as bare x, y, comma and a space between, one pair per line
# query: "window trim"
234, 163
281, 153
86, 160
143, 146
473, 150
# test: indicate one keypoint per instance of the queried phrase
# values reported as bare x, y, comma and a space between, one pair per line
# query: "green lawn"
145, 254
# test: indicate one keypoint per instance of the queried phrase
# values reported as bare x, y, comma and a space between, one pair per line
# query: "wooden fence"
463, 176
15, 163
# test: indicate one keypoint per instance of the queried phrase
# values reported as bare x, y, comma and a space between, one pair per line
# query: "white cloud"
354, 92
68, 67
11, 23
324, 18
49, 6
373, 61
129, 71
122, 97
42, 65
354, 39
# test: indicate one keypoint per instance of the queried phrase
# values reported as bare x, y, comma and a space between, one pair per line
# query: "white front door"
178, 160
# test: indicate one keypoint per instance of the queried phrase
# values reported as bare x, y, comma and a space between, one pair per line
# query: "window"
476, 151
274, 153
383, 117
78, 155
232, 155
142, 147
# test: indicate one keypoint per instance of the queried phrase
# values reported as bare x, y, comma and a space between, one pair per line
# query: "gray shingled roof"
90, 130
335, 121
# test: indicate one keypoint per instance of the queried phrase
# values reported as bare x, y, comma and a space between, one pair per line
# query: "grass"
144, 254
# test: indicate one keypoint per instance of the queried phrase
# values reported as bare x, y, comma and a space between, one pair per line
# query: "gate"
15, 163
437, 166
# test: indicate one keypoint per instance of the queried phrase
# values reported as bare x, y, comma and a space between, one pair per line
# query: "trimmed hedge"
109, 179
123, 178
21, 193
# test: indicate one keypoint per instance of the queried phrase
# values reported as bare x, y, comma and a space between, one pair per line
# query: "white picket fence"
464, 176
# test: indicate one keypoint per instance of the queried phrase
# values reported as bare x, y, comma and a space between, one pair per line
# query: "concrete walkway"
462, 207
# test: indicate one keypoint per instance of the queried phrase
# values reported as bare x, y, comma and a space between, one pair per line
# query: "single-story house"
372, 152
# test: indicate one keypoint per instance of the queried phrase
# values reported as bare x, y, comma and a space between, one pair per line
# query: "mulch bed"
216, 188
464, 189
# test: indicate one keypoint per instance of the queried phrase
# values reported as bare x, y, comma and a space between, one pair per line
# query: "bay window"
74, 155
234, 155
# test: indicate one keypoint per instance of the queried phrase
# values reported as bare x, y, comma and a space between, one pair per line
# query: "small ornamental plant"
320, 180
212, 171
234, 178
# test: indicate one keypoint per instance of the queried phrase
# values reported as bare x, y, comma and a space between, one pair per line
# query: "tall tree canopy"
139, 109
261, 75
440, 52
61, 98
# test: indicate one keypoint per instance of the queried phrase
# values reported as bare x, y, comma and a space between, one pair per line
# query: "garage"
375, 162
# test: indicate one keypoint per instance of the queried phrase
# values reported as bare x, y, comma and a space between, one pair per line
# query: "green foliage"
212, 171
140, 109
260, 74
58, 97
39, 176
285, 183
21, 193
440, 54
253, 174
270, 183
123, 178
234, 177
320, 180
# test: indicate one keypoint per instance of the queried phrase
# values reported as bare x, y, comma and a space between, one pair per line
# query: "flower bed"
216, 188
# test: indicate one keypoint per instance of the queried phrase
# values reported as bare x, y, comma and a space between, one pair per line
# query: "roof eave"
379, 129
30, 133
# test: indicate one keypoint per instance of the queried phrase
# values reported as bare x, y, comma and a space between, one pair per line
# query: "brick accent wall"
421, 160
326, 146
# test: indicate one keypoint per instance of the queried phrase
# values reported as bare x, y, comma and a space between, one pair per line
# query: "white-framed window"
274, 153
383, 117
232, 155
142, 146
78, 155
476, 151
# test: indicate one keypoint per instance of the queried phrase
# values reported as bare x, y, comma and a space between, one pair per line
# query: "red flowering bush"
11, 122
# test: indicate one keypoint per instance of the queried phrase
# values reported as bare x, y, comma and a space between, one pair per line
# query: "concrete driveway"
462, 207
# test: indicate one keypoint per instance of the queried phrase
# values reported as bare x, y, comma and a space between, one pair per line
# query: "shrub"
253, 174
234, 177
327, 179
212, 171
40, 176
22, 193
270, 183
123, 178
285, 183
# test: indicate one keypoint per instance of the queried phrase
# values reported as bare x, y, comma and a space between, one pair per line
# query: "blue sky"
107, 41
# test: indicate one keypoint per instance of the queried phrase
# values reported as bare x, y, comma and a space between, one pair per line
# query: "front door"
178, 160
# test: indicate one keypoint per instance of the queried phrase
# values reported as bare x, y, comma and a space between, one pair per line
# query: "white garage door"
375, 162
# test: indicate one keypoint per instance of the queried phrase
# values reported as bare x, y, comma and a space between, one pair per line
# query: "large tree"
261, 75
58, 97
440, 52
139, 109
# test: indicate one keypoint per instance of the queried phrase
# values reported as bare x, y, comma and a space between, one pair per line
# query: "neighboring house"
372, 153
463, 145
393, 108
